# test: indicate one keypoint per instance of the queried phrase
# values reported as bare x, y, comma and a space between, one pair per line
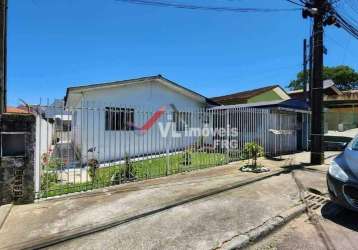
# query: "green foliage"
128, 167
143, 169
48, 179
252, 151
344, 76
92, 171
125, 173
52, 163
186, 161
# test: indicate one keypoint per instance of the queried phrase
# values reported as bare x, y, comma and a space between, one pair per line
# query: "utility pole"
3, 18
322, 14
317, 133
305, 96
310, 80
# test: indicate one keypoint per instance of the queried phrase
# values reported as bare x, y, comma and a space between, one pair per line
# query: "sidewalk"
28, 225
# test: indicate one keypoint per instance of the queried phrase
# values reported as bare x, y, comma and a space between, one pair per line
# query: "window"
13, 144
66, 126
119, 118
182, 120
354, 144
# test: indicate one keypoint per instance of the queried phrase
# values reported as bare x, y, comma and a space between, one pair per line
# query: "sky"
55, 44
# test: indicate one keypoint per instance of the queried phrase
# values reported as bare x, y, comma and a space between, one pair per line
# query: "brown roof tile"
16, 110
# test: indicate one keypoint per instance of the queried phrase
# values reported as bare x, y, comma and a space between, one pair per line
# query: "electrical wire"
204, 7
346, 23
295, 3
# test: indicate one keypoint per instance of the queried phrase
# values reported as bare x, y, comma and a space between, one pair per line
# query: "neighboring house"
341, 107
342, 111
18, 110
104, 128
265, 94
61, 118
329, 87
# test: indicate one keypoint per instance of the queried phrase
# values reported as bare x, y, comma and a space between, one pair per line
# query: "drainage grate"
315, 201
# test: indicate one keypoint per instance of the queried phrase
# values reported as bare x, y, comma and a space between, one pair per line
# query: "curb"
113, 222
4, 212
243, 240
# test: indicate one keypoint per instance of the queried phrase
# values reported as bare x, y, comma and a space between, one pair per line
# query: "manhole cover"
315, 201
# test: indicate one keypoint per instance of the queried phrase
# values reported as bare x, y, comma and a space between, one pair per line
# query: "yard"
141, 170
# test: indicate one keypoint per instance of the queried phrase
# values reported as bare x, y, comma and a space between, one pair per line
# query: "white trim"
281, 93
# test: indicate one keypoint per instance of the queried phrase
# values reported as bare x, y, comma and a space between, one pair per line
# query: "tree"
252, 151
344, 77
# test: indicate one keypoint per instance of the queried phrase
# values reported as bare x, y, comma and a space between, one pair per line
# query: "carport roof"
293, 104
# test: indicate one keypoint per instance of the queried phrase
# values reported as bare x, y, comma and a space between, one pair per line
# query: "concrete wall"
17, 171
44, 136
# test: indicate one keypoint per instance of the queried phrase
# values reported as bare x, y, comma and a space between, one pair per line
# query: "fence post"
17, 158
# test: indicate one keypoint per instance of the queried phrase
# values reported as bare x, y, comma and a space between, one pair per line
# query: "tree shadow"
274, 158
340, 216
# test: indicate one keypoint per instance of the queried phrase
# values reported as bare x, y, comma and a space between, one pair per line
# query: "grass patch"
143, 169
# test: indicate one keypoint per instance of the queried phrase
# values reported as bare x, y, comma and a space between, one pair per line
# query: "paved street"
330, 227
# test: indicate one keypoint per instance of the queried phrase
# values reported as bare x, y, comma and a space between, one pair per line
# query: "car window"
354, 144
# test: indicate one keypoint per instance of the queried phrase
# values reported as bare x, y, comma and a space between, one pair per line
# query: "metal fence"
104, 145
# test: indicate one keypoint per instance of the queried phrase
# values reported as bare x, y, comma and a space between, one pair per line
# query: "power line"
295, 3
346, 25
205, 7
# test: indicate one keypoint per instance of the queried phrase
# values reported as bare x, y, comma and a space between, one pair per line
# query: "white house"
107, 117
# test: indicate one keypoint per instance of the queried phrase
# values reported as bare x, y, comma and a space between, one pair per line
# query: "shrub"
252, 151
128, 167
47, 179
186, 161
92, 171
51, 162
125, 173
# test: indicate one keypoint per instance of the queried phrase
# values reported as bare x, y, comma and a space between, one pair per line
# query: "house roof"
327, 84
245, 95
135, 80
14, 110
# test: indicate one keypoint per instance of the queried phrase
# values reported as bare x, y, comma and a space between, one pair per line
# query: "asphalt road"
328, 227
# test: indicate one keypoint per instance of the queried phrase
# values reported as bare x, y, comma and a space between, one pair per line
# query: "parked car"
342, 177
336, 143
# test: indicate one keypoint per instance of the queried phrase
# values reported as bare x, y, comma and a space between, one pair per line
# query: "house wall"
44, 136
267, 96
88, 128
